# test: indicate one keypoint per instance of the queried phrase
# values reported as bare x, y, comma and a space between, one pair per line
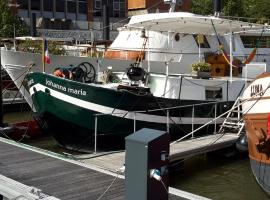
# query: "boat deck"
60, 177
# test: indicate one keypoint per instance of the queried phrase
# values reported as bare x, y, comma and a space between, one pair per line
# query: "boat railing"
168, 117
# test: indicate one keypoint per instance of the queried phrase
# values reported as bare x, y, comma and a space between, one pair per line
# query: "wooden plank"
59, 177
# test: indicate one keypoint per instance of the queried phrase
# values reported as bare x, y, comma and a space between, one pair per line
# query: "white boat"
170, 48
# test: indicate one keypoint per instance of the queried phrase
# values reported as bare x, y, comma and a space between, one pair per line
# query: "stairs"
233, 122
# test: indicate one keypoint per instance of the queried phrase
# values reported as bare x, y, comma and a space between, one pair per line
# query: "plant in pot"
202, 69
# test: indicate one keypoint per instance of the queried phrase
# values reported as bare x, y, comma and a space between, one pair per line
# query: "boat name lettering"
256, 90
65, 89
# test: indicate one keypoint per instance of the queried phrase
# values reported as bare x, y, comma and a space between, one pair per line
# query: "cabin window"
205, 43
255, 41
212, 93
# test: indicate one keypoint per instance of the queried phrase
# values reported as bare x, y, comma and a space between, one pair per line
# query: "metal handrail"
163, 109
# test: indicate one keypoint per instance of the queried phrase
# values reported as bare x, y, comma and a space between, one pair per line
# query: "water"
212, 176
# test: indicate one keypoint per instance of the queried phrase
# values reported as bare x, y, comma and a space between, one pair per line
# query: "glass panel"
35, 4
71, 6
48, 5
60, 5
23, 4
212, 93
255, 41
98, 4
205, 43
82, 7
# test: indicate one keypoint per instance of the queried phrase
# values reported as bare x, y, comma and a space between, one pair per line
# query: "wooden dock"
178, 151
51, 176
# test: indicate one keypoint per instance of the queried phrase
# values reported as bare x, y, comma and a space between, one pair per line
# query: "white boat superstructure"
168, 43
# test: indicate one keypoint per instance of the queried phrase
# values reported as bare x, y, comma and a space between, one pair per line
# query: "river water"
212, 176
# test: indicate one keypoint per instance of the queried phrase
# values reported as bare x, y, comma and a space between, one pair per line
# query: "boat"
170, 46
77, 110
256, 99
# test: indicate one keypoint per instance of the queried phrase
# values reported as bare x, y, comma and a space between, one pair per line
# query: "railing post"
95, 149
134, 122
238, 109
192, 121
168, 121
215, 118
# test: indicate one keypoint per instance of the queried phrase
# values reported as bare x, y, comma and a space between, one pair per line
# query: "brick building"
84, 15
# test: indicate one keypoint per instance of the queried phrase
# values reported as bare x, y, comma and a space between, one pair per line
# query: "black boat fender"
242, 143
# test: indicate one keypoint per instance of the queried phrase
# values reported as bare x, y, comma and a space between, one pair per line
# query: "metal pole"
134, 122
1, 98
215, 118
95, 150
168, 121
231, 56
192, 121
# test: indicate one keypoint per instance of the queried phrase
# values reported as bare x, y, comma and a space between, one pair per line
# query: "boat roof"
189, 23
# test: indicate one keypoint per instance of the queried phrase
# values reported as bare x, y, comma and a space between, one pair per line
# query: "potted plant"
202, 69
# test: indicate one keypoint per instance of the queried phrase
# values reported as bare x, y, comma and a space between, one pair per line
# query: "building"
82, 19
151, 6
77, 15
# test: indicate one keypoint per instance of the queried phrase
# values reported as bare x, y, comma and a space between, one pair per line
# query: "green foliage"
201, 66
259, 9
234, 8
8, 22
34, 46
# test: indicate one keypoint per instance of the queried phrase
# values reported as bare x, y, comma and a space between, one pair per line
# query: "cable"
108, 187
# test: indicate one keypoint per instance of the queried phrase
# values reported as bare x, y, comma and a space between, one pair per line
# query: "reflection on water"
219, 178
211, 176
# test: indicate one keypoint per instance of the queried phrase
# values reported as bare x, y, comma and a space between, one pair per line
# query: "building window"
35, 4
255, 41
23, 4
71, 6
98, 4
60, 5
48, 5
82, 7
119, 8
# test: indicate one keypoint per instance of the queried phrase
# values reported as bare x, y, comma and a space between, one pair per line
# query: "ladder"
233, 121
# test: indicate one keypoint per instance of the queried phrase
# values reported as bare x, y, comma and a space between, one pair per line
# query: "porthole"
177, 37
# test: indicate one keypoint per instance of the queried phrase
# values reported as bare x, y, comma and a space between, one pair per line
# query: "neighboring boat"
171, 38
256, 109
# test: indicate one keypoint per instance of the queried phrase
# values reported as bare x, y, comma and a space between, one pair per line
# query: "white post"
168, 121
148, 51
231, 54
215, 118
134, 122
166, 79
192, 121
95, 150
199, 52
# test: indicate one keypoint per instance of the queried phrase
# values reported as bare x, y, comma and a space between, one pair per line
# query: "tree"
233, 8
202, 7
8, 22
